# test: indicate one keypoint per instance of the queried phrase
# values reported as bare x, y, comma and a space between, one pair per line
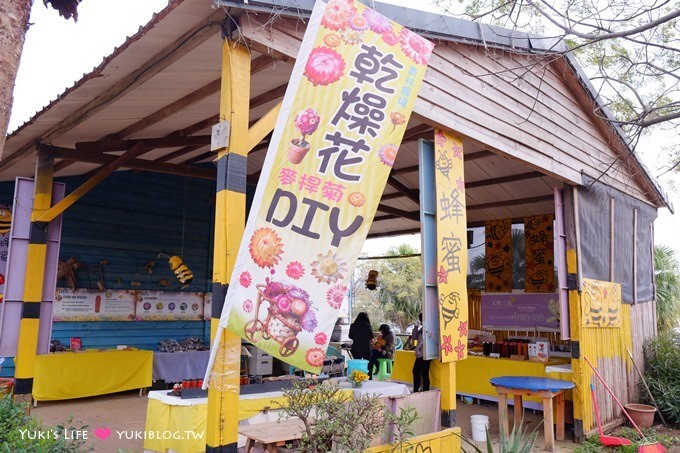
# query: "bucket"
480, 423
357, 364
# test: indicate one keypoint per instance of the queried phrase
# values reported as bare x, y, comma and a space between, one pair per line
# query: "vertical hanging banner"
342, 119
5, 225
451, 246
498, 262
539, 252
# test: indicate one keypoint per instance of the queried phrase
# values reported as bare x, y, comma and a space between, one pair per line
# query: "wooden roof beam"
399, 213
144, 72
503, 179
413, 195
135, 164
514, 202
169, 141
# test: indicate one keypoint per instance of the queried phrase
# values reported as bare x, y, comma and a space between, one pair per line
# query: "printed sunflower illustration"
328, 268
265, 247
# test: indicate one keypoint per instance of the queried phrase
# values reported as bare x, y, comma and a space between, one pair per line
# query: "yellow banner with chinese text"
451, 246
342, 119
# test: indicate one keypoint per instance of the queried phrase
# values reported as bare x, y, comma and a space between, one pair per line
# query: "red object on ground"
607, 441
647, 448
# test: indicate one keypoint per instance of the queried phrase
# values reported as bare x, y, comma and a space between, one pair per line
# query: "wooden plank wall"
517, 105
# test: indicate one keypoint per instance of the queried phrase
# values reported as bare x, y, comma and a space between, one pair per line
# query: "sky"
58, 52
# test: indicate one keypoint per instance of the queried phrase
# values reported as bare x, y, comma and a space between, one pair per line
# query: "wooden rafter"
413, 195
503, 180
169, 55
513, 202
135, 164
415, 215
169, 141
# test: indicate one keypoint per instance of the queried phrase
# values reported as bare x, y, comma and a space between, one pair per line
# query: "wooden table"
544, 388
272, 435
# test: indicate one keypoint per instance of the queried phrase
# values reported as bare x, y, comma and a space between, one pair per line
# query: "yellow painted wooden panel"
446, 441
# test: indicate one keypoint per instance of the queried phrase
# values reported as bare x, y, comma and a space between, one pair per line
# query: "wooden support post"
223, 394
33, 282
447, 379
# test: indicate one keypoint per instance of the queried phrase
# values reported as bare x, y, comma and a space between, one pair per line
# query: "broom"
647, 447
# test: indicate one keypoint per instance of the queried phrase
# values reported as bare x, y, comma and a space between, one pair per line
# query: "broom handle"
597, 410
623, 409
644, 381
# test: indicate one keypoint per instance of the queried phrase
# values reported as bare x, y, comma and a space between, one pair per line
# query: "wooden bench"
272, 434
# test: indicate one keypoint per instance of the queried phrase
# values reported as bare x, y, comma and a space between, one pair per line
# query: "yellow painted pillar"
447, 380
230, 209
33, 284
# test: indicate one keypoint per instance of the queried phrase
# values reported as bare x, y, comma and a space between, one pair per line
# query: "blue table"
544, 388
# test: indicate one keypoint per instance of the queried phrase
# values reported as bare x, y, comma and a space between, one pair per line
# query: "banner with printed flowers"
451, 246
342, 120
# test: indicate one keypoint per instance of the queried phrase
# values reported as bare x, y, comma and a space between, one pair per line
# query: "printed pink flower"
335, 295
247, 305
460, 350
415, 46
320, 338
390, 38
307, 121
388, 153
315, 356
358, 22
377, 22
446, 346
324, 66
338, 13
463, 328
295, 270
283, 303
458, 150
245, 279
439, 138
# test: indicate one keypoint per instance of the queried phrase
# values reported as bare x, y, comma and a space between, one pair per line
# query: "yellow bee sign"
601, 303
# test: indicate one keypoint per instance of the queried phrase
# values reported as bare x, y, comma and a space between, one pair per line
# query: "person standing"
383, 349
421, 367
361, 334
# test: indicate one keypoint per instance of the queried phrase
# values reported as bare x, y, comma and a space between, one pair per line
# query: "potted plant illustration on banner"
337, 136
306, 122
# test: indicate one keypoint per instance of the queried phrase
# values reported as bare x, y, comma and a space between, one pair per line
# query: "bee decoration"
182, 272
5, 220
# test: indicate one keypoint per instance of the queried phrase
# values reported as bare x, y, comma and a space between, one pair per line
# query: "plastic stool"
384, 369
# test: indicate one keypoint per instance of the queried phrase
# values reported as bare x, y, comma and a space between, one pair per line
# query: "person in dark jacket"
361, 334
383, 348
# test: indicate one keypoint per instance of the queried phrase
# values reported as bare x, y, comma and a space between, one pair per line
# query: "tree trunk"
14, 15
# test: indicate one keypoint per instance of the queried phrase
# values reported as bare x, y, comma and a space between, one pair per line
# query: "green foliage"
399, 296
662, 356
667, 276
335, 421
15, 427
593, 445
519, 440
402, 428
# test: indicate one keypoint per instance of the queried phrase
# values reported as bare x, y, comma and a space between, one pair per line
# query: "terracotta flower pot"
642, 414
297, 151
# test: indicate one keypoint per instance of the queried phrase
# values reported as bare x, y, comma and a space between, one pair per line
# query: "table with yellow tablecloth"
473, 374
68, 375
179, 424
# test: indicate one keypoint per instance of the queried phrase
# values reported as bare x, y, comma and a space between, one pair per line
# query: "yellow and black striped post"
230, 208
33, 283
